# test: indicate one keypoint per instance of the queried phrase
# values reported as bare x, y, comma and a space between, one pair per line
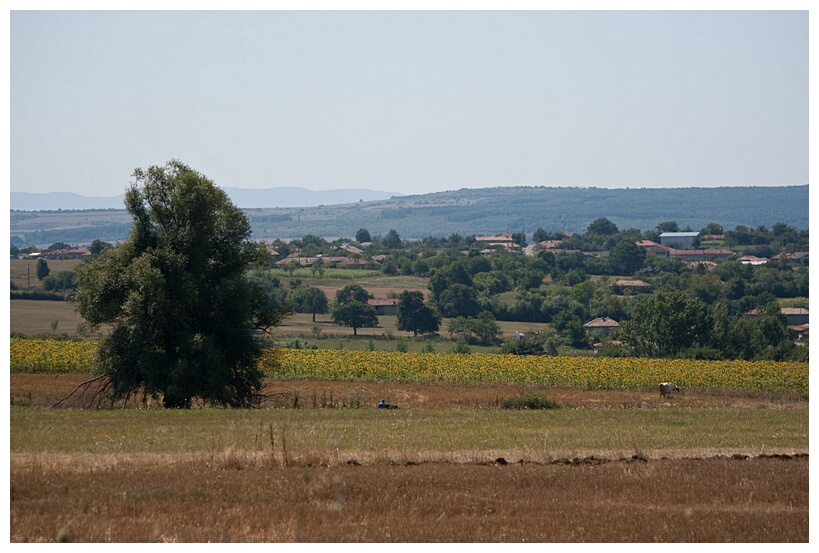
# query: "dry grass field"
448, 466
34, 317
226, 498
23, 272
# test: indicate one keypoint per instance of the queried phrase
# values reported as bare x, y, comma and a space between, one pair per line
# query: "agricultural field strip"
371, 435
590, 372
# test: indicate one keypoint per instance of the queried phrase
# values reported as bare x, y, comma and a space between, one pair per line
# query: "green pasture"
316, 434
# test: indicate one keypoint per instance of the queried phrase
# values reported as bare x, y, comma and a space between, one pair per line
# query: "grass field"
448, 466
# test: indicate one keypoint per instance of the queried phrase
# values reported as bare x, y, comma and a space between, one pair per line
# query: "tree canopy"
414, 315
351, 309
184, 315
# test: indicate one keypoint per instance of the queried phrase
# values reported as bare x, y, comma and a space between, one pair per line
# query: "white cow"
666, 388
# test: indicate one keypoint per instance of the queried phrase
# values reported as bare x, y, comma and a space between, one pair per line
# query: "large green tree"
665, 324
415, 315
351, 309
309, 300
184, 316
459, 300
626, 257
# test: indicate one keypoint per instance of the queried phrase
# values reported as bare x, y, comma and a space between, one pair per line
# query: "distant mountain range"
466, 211
245, 198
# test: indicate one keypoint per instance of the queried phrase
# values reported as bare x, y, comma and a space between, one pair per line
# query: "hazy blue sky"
409, 102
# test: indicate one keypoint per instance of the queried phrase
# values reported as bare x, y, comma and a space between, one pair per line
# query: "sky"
409, 101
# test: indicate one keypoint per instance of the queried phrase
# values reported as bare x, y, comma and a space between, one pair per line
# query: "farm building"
679, 240
603, 325
653, 248
385, 307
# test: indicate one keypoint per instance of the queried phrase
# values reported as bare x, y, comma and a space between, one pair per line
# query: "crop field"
726, 460
588, 372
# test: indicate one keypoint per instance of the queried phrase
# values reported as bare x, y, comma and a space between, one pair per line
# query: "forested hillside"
470, 211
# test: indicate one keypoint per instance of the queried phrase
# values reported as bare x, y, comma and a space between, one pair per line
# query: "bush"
461, 347
530, 400
528, 345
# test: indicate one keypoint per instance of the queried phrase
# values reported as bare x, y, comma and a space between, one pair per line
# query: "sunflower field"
589, 372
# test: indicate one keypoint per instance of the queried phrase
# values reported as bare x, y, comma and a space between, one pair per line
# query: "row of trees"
673, 324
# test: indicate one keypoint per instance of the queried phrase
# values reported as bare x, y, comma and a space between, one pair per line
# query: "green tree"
486, 328
61, 282
446, 276
414, 315
317, 267
713, 228
97, 246
362, 235
185, 317
665, 324
307, 299
668, 226
459, 300
602, 226
351, 309
527, 345
540, 235
42, 269
57, 246
392, 240
626, 258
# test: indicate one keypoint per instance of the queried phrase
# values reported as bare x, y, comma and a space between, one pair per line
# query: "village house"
503, 240
793, 258
69, 253
603, 325
753, 260
352, 250
653, 248
801, 334
796, 315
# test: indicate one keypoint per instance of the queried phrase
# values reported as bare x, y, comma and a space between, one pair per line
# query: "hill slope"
243, 197
470, 211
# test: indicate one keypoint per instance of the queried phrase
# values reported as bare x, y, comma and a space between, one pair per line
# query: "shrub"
530, 400
461, 347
